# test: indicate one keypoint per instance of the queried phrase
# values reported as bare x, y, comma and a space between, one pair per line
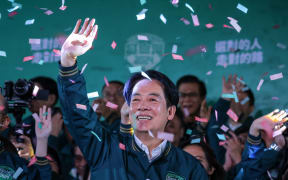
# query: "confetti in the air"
13, 9
165, 136
221, 137
232, 115
28, 58
195, 20
35, 90
163, 19
242, 8
17, 173
63, 8
224, 128
174, 48
106, 81
57, 52
49, 12
177, 57
145, 75
209, 73
93, 94
29, 22
111, 105
216, 114
3, 53
142, 37
194, 141
201, 119
142, 2
135, 69
113, 45
276, 76
95, 106
83, 68
209, 26
141, 15
280, 45
244, 101
260, 84
122, 146
185, 21
189, 7
81, 106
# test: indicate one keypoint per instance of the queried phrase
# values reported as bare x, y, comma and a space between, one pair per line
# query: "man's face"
79, 161
148, 106
189, 97
114, 94
35, 105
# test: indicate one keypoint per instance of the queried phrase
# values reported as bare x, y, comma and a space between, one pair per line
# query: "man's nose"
143, 106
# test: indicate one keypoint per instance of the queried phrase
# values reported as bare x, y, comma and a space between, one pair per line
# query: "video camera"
18, 96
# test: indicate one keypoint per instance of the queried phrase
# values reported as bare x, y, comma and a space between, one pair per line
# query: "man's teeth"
144, 117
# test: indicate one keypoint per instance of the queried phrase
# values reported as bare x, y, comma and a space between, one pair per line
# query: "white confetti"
145, 75
17, 173
3, 53
13, 9
142, 38
260, 84
34, 41
242, 8
276, 76
95, 106
93, 94
189, 7
29, 22
163, 19
83, 69
174, 48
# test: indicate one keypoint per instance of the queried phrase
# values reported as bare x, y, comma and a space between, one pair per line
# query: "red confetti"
28, 58
106, 81
12, 14
226, 26
232, 115
221, 143
57, 52
201, 119
276, 26
2, 108
122, 146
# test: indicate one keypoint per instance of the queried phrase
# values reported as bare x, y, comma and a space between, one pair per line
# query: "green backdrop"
265, 22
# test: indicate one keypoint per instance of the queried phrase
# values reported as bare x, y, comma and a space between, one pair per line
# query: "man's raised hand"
78, 42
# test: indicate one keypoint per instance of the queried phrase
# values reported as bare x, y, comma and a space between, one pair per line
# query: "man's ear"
210, 170
51, 99
171, 112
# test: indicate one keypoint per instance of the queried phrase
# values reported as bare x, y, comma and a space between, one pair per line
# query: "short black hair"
193, 79
47, 84
113, 82
169, 88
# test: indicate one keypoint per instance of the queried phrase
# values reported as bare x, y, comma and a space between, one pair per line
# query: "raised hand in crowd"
43, 127
125, 114
233, 148
268, 124
78, 42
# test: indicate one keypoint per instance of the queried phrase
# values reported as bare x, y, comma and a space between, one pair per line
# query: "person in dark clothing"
13, 166
110, 118
152, 103
192, 101
206, 156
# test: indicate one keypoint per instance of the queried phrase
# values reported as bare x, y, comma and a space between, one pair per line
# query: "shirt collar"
156, 152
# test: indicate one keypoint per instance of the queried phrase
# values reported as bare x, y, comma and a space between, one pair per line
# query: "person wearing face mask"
152, 102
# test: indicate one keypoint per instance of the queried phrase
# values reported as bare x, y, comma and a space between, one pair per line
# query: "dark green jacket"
101, 149
10, 162
256, 160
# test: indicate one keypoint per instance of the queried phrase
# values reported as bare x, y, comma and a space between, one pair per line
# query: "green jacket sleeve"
82, 123
222, 106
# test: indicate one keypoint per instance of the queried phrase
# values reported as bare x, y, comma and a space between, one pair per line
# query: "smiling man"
151, 104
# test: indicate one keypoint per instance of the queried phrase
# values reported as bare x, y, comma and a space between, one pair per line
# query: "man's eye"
135, 100
153, 100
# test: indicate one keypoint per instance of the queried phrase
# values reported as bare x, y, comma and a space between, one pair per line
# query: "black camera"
18, 96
